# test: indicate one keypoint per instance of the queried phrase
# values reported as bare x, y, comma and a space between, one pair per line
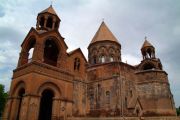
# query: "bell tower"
48, 20
148, 50
149, 62
42, 83
151, 75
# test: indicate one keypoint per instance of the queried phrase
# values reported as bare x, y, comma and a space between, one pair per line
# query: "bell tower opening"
42, 19
148, 66
49, 22
51, 52
31, 50
46, 105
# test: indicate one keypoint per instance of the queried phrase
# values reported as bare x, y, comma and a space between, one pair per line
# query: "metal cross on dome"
51, 2
145, 38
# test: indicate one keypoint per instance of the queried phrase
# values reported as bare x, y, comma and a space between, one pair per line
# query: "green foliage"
3, 98
178, 111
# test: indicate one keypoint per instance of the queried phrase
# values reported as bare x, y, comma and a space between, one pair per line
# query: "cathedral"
54, 84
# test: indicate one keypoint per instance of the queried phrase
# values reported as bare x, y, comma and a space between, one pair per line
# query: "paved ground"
128, 118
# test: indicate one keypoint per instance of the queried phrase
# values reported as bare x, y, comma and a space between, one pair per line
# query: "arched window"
102, 59
111, 58
94, 60
51, 52
148, 66
49, 22
42, 22
30, 55
76, 64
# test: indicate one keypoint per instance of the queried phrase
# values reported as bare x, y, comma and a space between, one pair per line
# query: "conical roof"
49, 10
104, 34
146, 44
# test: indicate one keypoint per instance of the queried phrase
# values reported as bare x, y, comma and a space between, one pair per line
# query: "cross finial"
51, 2
145, 38
103, 19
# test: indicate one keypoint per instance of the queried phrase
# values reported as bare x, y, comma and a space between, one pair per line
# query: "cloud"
2, 13
130, 59
10, 40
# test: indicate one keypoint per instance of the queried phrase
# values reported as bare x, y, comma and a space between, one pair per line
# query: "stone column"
53, 25
33, 111
45, 21
23, 58
24, 108
37, 24
7, 109
14, 109
56, 108
38, 52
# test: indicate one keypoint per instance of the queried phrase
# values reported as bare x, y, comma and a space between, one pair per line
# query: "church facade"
56, 84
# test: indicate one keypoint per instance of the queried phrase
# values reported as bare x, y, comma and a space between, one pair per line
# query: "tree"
3, 98
178, 111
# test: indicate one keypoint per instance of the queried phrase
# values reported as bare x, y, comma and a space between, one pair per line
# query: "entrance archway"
45, 112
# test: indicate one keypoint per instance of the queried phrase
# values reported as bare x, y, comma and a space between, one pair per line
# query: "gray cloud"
2, 12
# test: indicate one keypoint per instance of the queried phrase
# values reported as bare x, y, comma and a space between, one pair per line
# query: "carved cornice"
152, 81
44, 69
150, 71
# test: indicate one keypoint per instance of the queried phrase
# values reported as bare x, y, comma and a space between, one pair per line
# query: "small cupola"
48, 20
147, 50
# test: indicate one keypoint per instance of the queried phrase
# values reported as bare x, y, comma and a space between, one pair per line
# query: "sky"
129, 20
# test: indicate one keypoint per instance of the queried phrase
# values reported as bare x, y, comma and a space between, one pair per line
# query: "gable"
77, 51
